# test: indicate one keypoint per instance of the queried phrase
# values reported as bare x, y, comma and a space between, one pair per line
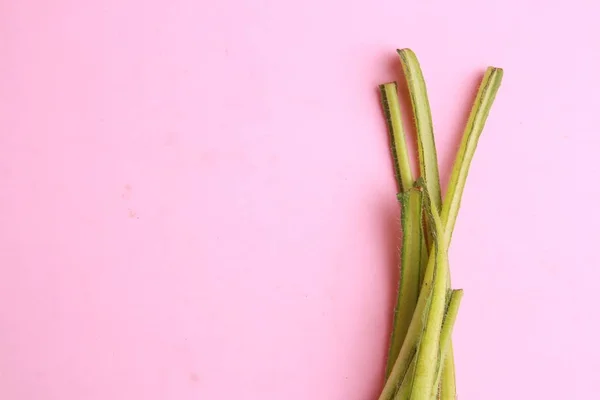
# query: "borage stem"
393, 118
411, 258
409, 283
428, 165
427, 358
446, 336
485, 97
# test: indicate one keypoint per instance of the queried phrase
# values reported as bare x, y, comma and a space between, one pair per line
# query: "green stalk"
446, 338
409, 347
391, 109
409, 283
412, 253
485, 97
428, 165
454, 299
403, 392
447, 390
479, 112
427, 359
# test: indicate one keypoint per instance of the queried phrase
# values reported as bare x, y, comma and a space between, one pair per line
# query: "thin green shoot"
446, 341
393, 118
411, 260
485, 96
427, 358
428, 165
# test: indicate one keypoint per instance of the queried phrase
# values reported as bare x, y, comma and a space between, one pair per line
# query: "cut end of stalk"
495, 73
405, 51
382, 86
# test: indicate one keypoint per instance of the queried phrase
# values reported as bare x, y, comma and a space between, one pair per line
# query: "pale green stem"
403, 392
428, 165
411, 257
391, 109
448, 385
446, 340
475, 124
479, 112
409, 282
484, 99
429, 345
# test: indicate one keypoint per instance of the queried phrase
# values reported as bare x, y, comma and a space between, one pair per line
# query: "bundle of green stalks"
420, 364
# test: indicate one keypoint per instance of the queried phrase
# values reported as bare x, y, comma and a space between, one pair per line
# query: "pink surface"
197, 199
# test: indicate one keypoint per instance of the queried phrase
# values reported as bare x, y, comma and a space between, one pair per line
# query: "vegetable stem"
427, 358
403, 392
484, 99
412, 254
393, 118
410, 271
428, 165
448, 379
479, 112
446, 340
454, 299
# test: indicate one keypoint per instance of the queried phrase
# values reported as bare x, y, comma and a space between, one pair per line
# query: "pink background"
197, 201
